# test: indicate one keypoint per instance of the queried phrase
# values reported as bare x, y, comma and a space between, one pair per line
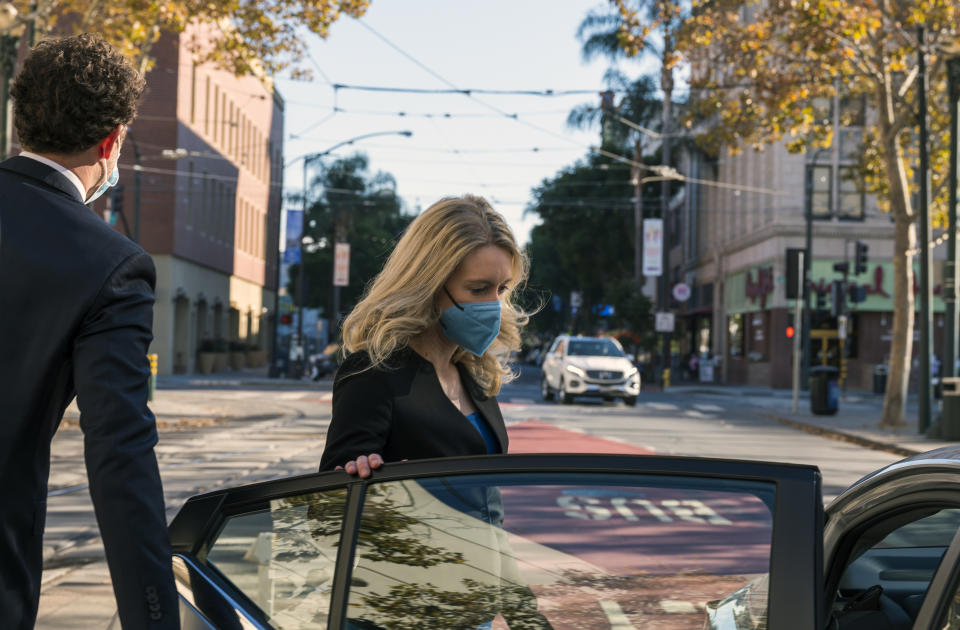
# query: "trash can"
950, 416
880, 379
824, 390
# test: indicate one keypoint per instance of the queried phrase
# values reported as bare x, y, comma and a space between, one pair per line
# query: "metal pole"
9, 45
637, 216
666, 78
926, 294
301, 355
797, 334
948, 366
137, 169
806, 279
274, 371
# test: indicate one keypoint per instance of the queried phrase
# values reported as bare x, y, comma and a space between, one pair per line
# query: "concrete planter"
237, 360
205, 362
220, 361
256, 358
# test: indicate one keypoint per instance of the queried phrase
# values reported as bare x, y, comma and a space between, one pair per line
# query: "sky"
433, 44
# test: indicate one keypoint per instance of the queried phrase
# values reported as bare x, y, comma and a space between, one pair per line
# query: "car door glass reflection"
283, 558
571, 550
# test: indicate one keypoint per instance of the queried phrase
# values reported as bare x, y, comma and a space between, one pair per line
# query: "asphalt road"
212, 438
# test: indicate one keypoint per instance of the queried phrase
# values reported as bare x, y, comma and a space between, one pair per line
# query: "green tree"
759, 69
371, 218
585, 243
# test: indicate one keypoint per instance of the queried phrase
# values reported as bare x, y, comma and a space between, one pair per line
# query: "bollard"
666, 378
152, 383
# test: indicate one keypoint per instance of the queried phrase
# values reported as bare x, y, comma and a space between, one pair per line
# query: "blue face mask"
472, 326
111, 181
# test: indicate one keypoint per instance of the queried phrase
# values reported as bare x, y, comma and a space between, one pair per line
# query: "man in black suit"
76, 312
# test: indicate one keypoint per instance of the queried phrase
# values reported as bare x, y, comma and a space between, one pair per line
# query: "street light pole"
948, 366
926, 293
807, 267
137, 169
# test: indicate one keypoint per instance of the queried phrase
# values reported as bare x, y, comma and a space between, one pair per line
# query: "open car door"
509, 541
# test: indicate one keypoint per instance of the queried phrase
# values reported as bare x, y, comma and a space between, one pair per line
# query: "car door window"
283, 556
540, 550
902, 563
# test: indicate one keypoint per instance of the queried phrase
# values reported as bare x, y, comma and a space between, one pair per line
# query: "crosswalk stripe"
618, 620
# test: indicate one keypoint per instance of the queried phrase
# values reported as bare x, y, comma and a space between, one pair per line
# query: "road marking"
703, 407
662, 406
291, 395
618, 620
677, 607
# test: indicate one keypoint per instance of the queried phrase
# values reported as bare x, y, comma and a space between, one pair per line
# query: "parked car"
588, 366
324, 363
592, 541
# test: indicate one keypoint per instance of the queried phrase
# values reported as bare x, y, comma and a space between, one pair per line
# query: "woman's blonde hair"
399, 303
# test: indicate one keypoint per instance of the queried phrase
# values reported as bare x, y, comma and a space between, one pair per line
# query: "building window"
216, 113
205, 204
193, 93
735, 335
190, 196
822, 187
850, 200
206, 109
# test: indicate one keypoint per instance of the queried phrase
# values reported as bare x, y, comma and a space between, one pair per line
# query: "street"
236, 433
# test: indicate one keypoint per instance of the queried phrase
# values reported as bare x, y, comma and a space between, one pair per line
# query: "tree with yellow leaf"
759, 68
251, 34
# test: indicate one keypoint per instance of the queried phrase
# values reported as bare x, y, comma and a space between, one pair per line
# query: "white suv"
588, 366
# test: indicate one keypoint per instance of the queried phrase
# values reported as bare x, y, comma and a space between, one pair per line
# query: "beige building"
207, 147
732, 250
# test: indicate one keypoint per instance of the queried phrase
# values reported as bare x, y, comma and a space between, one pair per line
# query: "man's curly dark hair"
72, 92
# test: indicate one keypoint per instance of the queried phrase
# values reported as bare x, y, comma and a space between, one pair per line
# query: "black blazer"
76, 313
401, 412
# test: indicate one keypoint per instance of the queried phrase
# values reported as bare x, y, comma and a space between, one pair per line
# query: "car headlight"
575, 370
632, 373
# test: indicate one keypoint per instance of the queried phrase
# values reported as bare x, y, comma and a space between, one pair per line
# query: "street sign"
664, 322
652, 247
576, 299
681, 292
341, 264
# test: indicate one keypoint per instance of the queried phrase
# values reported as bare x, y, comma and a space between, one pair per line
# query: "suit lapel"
42, 173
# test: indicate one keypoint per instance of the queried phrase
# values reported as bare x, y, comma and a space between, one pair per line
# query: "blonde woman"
428, 343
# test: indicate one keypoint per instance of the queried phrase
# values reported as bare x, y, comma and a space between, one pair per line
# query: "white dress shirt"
61, 169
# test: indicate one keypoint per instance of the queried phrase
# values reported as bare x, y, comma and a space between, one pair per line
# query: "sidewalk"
857, 418
247, 377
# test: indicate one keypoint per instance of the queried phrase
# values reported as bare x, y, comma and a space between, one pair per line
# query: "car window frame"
796, 584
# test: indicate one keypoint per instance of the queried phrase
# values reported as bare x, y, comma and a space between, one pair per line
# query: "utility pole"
926, 293
636, 178
666, 85
948, 366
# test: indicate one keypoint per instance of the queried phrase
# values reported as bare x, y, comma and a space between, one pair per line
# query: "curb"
842, 436
163, 384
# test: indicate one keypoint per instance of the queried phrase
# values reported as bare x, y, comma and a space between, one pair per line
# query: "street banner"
652, 247
294, 229
291, 255
341, 264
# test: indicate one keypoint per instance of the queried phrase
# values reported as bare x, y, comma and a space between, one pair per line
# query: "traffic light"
286, 319
821, 300
860, 258
856, 294
836, 298
790, 330
794, 283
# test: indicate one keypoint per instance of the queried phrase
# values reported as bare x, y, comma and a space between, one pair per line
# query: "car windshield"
594, 348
